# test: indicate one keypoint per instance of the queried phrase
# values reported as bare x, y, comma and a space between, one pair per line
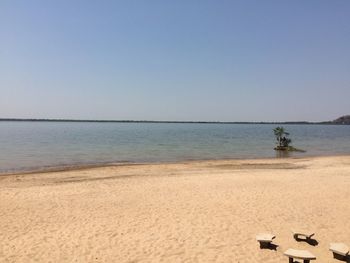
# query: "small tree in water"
281, 137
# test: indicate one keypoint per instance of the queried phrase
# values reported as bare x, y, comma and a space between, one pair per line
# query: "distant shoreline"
184, 122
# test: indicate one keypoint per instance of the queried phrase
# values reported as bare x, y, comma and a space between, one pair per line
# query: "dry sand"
207, 211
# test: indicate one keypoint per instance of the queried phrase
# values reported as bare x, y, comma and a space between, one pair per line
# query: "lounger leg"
306, 261
291, 260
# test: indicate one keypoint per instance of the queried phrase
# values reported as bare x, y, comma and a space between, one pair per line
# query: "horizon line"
162, 121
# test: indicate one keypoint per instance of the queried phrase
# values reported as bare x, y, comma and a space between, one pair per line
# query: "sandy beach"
203, 211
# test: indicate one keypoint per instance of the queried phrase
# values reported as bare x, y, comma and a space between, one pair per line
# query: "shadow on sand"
310, 241
342, 258
268, 246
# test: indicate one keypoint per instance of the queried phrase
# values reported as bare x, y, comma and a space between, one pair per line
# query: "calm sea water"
40, 145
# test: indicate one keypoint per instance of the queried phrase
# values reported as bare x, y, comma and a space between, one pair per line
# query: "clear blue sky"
175, 60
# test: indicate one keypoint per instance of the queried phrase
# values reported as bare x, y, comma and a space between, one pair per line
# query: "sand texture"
207, 211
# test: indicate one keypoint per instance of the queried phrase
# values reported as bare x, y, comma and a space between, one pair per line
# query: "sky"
186, 60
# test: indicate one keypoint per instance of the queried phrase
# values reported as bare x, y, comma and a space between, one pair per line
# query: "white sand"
191, 212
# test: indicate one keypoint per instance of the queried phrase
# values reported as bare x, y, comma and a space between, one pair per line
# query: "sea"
38, 146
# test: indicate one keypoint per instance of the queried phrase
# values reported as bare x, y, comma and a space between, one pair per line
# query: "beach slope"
203, 211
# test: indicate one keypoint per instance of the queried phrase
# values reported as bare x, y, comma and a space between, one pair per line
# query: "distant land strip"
150, 121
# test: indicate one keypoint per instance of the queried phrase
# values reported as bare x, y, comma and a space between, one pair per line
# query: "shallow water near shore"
27, 146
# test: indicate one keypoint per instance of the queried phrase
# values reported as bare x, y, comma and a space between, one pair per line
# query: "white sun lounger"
302, 233
265, 239
339, 249
299, 254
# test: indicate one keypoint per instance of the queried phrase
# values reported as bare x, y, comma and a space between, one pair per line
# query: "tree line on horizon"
343, 120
